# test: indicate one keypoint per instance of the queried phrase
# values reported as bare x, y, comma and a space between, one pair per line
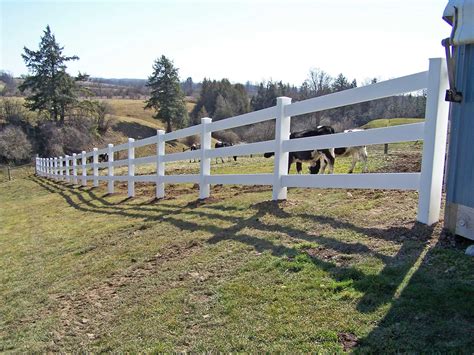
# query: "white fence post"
74, 168
48, 168
434, 144
68, 176
95, 168
160, 165
282, 133
56, 170
61, 170
110, 169
84, 169
131, 168
206, 138
53, 169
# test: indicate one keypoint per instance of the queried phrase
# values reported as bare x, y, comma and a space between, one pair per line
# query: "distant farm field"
387, 122
325, 271
135, 109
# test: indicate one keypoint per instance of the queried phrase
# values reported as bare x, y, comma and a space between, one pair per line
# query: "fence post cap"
131, 140
110, 145
95, 149
206, 120
284, 99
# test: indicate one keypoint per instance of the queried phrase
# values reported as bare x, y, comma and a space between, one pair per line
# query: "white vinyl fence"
428, 182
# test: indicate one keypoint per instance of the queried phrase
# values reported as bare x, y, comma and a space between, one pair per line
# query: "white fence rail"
428, 182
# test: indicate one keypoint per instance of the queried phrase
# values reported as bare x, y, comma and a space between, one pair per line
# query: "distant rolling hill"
387, 122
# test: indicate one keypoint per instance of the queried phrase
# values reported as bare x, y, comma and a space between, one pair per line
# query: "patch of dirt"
82, 313
288, 203
348, 340
250, 188
322, 253
448, 240
402, 162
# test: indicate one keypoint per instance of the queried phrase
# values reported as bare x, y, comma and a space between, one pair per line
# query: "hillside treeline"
221, 99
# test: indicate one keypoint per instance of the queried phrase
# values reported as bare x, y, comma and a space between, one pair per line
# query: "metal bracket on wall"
452, 95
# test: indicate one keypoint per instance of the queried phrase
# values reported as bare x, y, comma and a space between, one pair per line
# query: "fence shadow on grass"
389, 286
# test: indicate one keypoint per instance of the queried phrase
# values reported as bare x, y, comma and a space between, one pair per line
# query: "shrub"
12, 112
14, 145
260, 132
227, 136
75, 135
190, 140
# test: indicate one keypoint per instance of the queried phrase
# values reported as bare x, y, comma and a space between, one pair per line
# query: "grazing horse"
358, 153
311, 156
220, 144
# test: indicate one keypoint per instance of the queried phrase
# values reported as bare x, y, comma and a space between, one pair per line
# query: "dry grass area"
325, 271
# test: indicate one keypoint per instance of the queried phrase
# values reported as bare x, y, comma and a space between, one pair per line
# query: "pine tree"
188, 86
223, 109
167, 98
52, 89
341, 83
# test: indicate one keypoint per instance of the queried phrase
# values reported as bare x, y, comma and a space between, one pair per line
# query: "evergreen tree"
52, 89
221, 99
223, 109
341, 83
268, 92
167, 98
188, 86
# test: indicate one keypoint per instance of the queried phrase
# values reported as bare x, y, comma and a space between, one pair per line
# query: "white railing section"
428, 182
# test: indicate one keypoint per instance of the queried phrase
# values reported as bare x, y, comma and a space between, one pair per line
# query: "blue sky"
240, 40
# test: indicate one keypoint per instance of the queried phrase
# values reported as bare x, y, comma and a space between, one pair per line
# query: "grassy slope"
134, 109
386, 122
80, 270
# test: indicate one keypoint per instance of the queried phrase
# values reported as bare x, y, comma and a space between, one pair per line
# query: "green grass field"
325, 271
387, 122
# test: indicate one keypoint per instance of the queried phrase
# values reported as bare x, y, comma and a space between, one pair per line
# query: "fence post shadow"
416, 320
